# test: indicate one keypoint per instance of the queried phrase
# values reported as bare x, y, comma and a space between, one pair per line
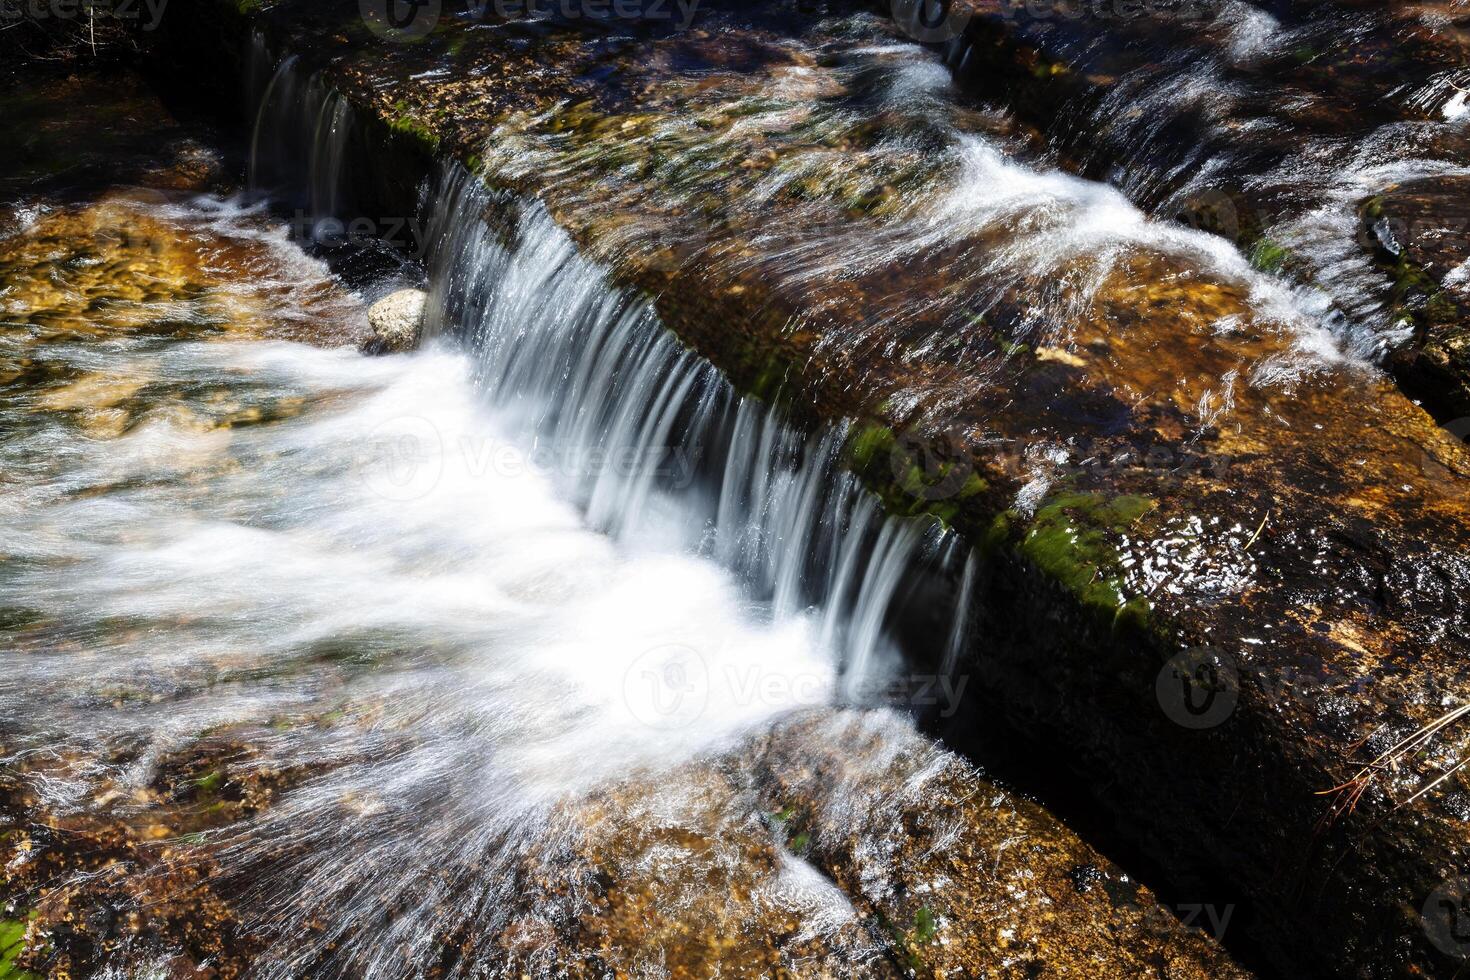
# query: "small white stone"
396, 321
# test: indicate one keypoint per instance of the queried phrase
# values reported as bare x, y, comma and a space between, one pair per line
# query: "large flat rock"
1268, 124
1158, 447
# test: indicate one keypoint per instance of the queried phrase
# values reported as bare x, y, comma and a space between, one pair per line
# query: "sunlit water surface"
348, 569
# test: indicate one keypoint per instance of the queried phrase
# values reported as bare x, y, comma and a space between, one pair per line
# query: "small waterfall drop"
652, 442
645, 436
302, 138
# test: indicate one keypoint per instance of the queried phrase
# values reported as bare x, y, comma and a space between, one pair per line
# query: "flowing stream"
367, 637
1272, 123
527, 648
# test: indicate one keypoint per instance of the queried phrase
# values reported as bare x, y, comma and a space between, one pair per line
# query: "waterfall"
651, 441
301, 139
646, 437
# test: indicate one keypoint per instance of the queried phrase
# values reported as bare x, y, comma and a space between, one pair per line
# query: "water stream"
544, 649
1271, 122
366, 642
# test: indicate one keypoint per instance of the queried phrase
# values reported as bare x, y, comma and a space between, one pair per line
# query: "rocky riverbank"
257, 723
1162, 451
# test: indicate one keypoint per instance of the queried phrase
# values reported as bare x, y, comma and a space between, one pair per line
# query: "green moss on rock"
405, 125
1073, 540
1269, 256
12, 945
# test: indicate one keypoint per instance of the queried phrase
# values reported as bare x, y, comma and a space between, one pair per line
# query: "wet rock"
92, 130
110, 885
396, 321
120, 264
1420, 233
684, 864
962, 877
843, 843
1194, 478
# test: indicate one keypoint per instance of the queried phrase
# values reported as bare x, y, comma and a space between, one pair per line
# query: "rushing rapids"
784, 383
1291, 128
539, 652
1161, 448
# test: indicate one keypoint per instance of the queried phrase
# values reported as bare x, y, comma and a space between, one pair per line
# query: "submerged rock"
1417, 230
396, 321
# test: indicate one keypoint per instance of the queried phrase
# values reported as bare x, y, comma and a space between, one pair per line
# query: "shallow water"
543, 647
356, 648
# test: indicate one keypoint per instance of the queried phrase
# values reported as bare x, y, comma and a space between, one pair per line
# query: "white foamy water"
453, 592
387, 593
393, 517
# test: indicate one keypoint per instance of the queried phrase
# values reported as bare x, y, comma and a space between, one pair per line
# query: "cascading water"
295, 109
420, 614
653, 443
645, 436
1250, 116
545, 651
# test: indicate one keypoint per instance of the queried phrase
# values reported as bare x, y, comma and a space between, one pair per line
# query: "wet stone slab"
208, 769
1270, 126
1160, 447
